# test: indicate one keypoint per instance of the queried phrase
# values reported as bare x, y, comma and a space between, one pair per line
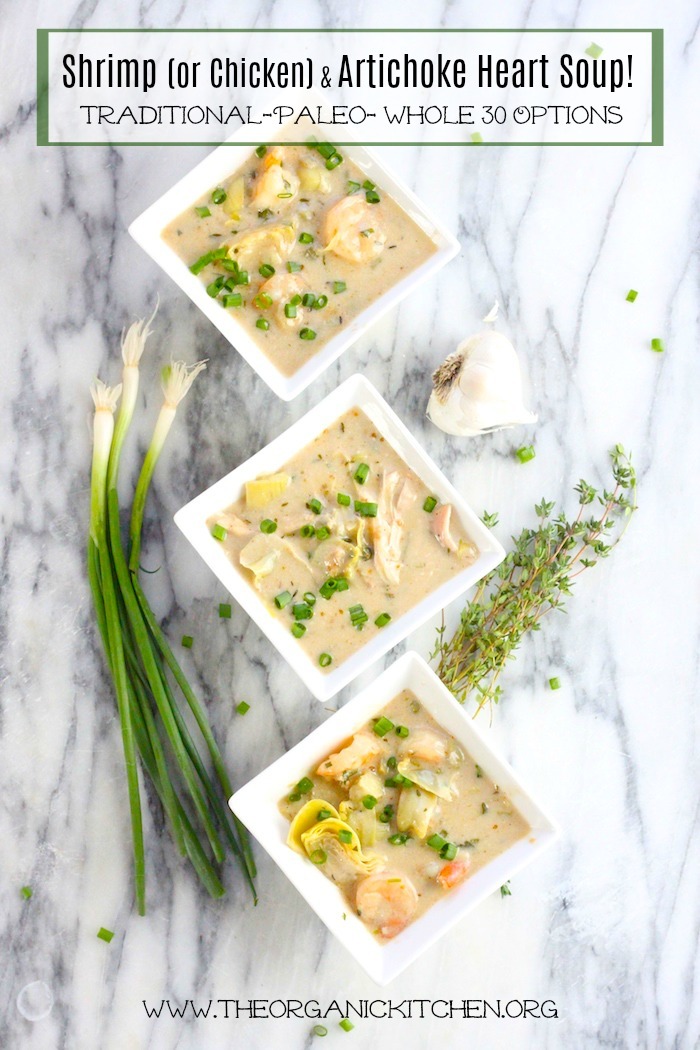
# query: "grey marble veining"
607, 923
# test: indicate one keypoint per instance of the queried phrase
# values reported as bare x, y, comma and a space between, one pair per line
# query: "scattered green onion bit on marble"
594, 50
319, 1030
430, 504
26, 892
476, 137
187, 641
346, 1025
219, 532
243, 708
657, 346
325, 659
383, 725
224, 611
554, 683
505, 889
381, 621
105, 935
631, 295
525, 454
268, 526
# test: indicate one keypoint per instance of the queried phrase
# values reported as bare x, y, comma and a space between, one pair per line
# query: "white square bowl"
354, 392
256, 805
218, 166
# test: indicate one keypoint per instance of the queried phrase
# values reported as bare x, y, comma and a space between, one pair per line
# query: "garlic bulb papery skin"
478, 389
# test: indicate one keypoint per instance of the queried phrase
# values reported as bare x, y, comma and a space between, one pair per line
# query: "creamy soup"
295, 244
343, 539
398, 816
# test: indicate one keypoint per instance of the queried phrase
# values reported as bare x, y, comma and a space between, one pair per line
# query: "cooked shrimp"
358, 755
387, 902
275, 186
425, 746
271, 244
352, 229
387, 529
440, 527
282, 288
454, 872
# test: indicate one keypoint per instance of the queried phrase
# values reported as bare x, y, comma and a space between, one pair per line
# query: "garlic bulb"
478, 389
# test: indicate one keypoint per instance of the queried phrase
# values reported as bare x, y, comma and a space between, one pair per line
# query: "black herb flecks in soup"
296, 244
398, 816
343, 539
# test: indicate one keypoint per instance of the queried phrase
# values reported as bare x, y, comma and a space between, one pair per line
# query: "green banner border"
657, 84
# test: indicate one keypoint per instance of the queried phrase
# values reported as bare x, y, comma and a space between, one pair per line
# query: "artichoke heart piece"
436, 781
235, 198
344, 859
259, 556
361, 820
415, 811
262, 491
307, 818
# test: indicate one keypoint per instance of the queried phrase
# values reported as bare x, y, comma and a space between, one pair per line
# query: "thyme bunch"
537, 575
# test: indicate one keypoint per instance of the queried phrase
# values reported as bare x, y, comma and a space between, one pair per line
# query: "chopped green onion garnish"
307, 334
353, 187
631, 295
368, 185
304, 786
105, 935
266, 270
282, 599
554, 683
296, 300
265, 213
402, 731
346, 1025
310, 598
323, 532
219, 195
294, 797
187, 641
262, 301
203, 212
26, 892
484, 808
478, 770
343, 499
339, 286
243, 707
341, 584
323, 814
381, 621
325, 659
361, 474
230, 301
399, 839
293, 267
289, 310
525, 454
203, 261
325, 149
224, 611
430, 504
345, 836
448, 851
215, 287
315, 505
302, 611
219, 532
320, 302
309, 299
327, 589
334, 161
284, 196
391, 762
436, 842
372, 197
476, 137
319, 1030
319, 856
306, 238
594, 50
298, 629
369, 801
261, 151
383, 724
657, 346
268, 526
358, 616
307, 531
366, 510
397, 780
262, 323
505, 889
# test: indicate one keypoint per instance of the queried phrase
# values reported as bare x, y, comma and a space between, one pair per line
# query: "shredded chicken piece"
440, 527
395, 499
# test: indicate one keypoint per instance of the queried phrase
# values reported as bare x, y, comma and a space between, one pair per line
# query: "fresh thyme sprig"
536, 575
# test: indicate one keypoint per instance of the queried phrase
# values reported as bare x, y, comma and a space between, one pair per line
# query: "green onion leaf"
353, 187
289, 310
478, 770
318, 856
436, 842
309, 299
262, 301
372, 197
334, 161
323, 814
304, 786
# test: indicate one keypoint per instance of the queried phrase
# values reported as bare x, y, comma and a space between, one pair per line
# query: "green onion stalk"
146, 674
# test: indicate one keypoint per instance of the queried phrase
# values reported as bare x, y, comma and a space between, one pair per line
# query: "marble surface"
606, 924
